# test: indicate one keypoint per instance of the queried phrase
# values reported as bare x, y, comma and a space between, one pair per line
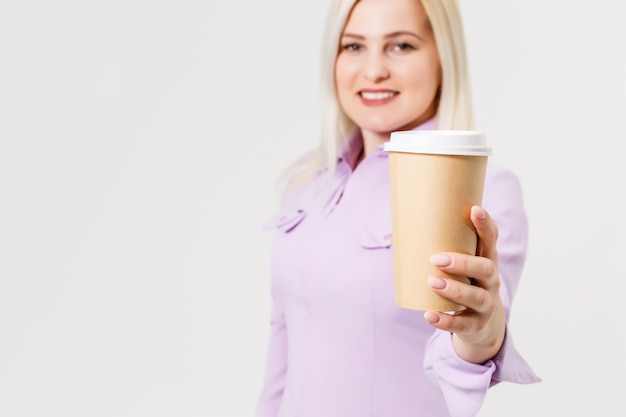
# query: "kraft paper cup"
436, 176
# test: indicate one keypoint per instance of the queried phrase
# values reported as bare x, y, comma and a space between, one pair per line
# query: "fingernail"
440, 260
478, 211
437, 283
431, 317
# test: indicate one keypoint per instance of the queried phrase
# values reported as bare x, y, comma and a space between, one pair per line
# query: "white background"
139, 141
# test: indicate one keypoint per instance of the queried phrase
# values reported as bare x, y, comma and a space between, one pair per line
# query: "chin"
381, 128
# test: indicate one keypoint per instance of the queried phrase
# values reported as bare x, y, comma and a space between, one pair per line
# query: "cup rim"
445, 142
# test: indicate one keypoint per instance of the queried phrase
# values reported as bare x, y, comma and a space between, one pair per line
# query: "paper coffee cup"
436, 176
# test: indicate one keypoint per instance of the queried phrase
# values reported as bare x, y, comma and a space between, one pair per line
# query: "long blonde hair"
455, 104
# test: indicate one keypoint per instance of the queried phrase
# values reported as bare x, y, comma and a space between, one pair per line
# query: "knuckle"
497, 283
455, 290
482, 299
490, 268
458, 262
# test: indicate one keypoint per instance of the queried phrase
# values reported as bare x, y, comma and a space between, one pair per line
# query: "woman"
339, 346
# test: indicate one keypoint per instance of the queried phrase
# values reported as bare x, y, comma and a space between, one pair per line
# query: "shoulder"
504, 200
296, 200
498, 175
303, 192
502, 186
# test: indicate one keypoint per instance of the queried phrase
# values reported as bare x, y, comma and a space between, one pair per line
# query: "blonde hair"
455, 105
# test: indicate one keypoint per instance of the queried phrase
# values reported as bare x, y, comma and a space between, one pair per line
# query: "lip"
377, 102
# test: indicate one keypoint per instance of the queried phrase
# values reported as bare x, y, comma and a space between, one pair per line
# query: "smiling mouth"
378, 95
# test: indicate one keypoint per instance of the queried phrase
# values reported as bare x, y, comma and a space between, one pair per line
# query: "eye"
350, 47
403, 46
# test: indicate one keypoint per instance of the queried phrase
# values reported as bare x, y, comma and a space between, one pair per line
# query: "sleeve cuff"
464, 384
510, 366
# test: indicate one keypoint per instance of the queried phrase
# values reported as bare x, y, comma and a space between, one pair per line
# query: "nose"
376, 68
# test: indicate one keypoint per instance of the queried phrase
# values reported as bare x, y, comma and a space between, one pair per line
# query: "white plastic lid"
445, 142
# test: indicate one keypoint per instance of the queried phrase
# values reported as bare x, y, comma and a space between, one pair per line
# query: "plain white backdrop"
139, 143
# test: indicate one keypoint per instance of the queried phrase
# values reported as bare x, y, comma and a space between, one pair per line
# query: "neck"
371, 141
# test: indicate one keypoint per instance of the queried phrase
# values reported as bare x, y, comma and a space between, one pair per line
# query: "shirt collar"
350, 150
430, 124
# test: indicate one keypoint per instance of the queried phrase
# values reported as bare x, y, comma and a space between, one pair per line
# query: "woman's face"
387, 71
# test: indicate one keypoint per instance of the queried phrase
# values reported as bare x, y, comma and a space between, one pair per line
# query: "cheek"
426, 82
345, 72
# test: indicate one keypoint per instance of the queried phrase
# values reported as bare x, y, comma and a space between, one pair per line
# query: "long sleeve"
464, 385
276, 368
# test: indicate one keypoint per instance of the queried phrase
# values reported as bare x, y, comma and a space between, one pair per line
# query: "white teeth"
377, 96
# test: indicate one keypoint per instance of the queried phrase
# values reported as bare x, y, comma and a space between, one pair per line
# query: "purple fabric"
339, 346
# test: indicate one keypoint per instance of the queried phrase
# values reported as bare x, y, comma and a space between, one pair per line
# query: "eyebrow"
387, 36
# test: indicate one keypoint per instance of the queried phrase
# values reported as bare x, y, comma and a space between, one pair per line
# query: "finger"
473, 297
483, 270
487, 232
459, 323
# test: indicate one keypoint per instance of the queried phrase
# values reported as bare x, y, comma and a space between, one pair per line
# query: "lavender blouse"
339, 346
